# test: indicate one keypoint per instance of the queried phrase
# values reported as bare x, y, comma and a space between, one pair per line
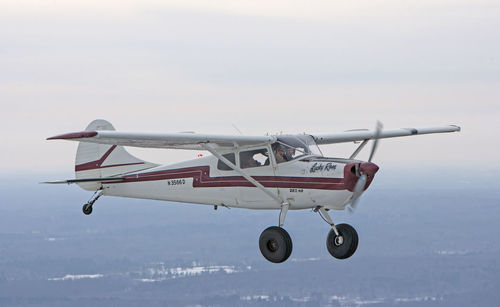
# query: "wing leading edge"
351, 136
164, 140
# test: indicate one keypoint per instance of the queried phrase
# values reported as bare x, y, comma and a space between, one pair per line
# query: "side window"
223, 166
254, 158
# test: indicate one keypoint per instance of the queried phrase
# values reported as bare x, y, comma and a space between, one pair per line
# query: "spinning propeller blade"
358, 190
361, 183
378, 129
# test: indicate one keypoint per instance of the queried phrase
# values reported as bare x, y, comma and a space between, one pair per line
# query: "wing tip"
74, 135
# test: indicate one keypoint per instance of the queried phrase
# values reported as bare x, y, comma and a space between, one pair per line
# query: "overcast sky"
264, 66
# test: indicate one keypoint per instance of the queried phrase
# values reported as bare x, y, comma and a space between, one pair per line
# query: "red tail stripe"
94, 164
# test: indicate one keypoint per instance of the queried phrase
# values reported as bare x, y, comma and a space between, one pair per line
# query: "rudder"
99, 160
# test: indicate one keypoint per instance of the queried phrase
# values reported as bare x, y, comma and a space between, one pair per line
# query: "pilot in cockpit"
279, 153
289, 153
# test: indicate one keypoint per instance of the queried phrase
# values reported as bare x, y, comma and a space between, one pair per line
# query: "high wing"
357, 135
165, 140
196, 141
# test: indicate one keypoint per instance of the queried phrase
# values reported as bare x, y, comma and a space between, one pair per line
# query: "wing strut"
284, 205
360, 147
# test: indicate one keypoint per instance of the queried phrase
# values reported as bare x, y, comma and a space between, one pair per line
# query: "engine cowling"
353, 170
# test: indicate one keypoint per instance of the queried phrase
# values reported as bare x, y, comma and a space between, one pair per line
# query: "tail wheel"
87, 209
345, 244
275, 244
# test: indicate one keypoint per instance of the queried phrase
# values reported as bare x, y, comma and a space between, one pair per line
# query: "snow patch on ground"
453, 252
305, 259
159, 272
418, 299
77, 277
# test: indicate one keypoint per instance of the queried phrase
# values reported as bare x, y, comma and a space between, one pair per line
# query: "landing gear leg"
283, 212
275, 243
342, 240
87, 208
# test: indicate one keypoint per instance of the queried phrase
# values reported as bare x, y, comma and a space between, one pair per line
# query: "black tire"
87, 210
275, 244
349, 244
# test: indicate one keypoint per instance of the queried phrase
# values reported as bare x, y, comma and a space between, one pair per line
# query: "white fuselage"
304, 183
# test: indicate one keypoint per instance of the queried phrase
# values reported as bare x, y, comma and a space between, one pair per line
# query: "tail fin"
97, 160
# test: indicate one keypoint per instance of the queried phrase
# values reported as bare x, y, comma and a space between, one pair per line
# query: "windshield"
291, 147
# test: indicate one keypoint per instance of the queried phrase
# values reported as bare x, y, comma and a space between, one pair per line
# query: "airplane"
281, 172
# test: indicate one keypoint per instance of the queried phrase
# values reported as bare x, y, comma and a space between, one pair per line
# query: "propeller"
378, 130
361, 183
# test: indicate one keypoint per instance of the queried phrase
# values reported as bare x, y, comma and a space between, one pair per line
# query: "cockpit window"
254, 158
223, 166
290, 147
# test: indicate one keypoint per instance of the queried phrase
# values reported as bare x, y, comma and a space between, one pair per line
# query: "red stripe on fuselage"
201, 179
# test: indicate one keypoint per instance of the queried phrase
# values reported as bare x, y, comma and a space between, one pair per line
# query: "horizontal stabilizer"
70, 181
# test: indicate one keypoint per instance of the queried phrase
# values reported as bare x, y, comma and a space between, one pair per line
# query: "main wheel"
344, 245
275, 244
87, 209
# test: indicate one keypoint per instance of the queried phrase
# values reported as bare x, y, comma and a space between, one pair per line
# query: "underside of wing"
164, 140
360, 135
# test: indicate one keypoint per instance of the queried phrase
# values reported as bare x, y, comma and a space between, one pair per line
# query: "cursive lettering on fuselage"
319, 167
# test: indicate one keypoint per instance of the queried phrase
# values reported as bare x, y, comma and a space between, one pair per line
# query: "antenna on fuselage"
234, 126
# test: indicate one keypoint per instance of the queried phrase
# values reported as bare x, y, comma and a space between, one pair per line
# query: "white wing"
195, 140
350, 136
164, 140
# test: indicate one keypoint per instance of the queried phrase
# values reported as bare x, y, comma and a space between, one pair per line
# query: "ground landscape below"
429, 246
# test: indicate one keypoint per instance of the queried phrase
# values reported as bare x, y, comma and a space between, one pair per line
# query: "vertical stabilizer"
98, 160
